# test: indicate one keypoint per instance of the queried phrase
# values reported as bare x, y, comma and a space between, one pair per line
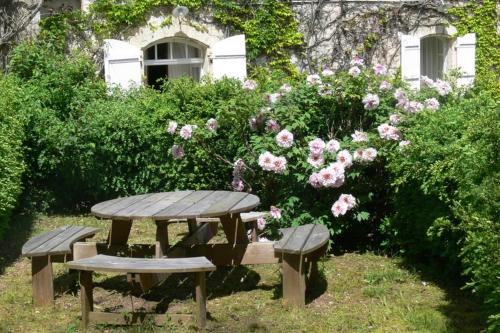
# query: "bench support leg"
42, 281
294, 283
201, 299
120, 230
86, 297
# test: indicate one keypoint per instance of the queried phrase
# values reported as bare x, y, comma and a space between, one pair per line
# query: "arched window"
433, 56
172, 58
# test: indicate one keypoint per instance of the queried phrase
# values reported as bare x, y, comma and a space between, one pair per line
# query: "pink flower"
316, 160
284, 139
354, 71
371, 101
266, 161
333, 175
239, 167
313, 79
344, 158
317, 146
385, 85
380, 69
253, 123
315, 180
172, 126
359, 136
427, 82
349, 200
212, 125
237, 184
414, 107
177, 152
275, 212
339, 208
432, 104
261, 223
442, 87
357, 61
365, 155
332, 146
404, 143
249, 85
272, 126
186, 132
400, 94
389, 132
327, 71
286, 88
395, 119
279, 164
273, 98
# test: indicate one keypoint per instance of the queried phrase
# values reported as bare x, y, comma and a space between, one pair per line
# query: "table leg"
234, 229
120, 230
192, 225
161, 238
294, 283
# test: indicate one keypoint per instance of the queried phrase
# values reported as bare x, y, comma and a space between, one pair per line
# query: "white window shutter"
122, 64
229, 58
410, 60
466, 58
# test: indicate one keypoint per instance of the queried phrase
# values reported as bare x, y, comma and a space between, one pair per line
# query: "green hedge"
447, 198
11, 149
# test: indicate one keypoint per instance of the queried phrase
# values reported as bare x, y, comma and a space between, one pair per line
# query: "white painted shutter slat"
229, 58
410, 60
122, 64
466, 58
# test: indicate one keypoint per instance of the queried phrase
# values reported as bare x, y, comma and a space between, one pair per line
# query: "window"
433, 56
172, 59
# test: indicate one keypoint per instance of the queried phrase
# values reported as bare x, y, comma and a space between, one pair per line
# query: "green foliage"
481, 17
11, 151
447, 191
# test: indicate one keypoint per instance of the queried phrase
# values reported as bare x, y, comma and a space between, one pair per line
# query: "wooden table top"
176, 205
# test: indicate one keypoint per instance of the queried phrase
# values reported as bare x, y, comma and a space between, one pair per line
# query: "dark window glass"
156, 75
162, 50
193, 52
150, 53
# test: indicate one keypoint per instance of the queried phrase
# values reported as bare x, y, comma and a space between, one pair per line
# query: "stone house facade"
412, 36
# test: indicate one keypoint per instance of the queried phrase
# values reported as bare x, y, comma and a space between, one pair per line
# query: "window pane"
195, 73
193, 52
162, 50
179, 50
150, 53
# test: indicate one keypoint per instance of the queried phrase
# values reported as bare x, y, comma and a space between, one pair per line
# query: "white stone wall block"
122, 64
229, 58
410, 60
466, 58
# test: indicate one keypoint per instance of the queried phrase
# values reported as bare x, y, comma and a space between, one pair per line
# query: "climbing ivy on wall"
270, 26
481, 18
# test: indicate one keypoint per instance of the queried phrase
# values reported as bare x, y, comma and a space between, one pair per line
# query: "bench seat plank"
57, 241
104, 263
303, 239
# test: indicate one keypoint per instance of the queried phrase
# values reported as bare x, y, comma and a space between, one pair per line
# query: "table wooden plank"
298, 239
319, 237
224, 206
208, 202
104, 263
109, 211
45, 248
100, 206
248, 203
166, 200
173, 210
145, 201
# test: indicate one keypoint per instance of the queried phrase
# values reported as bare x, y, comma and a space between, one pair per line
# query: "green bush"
447, 194
11, 150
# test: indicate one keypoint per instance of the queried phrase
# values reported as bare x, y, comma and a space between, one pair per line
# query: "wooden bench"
103, 263
300, 248
49, 247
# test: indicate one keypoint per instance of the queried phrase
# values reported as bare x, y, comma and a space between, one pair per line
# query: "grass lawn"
357, 293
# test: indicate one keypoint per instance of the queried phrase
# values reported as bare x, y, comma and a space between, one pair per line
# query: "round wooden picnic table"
178, 205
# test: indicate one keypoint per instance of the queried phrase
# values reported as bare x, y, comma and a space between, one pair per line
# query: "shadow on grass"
18, 233
463, 309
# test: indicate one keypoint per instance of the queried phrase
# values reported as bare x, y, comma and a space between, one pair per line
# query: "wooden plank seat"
104, 263
48, 247
300, 248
